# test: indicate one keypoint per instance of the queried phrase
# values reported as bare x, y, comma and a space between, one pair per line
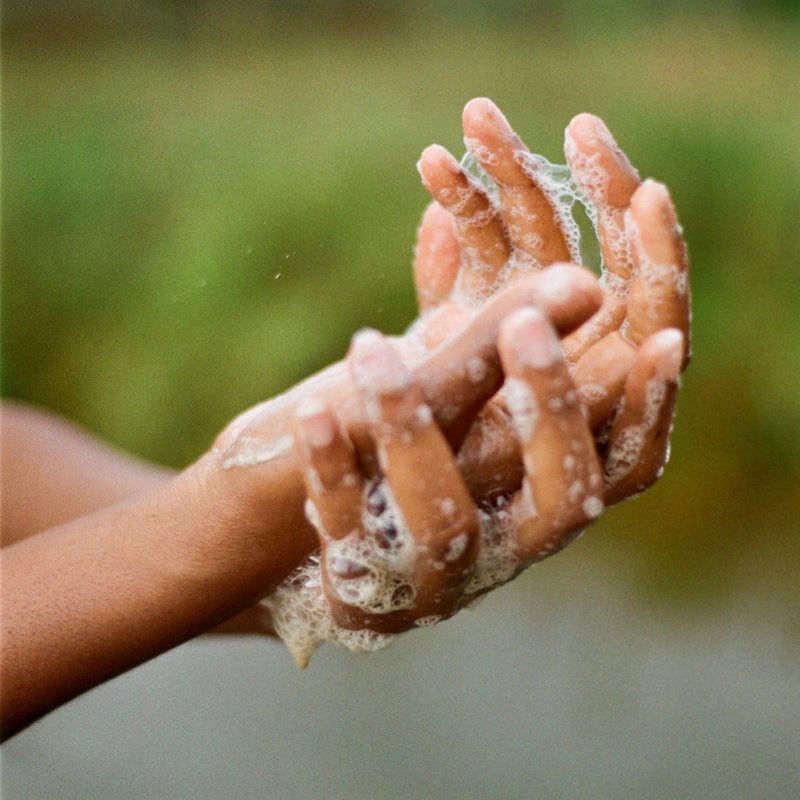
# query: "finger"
562, 490
639, 440
531, 221
607, 320
660, 296
478, 227
489, 459
600, 375
458, 378
437, 257
426, 486
330, 471
606, 177
383, 577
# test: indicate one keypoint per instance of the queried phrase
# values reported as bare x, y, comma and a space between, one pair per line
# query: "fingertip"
561, 281
375, 365
669, 355
315, 422
529, 341
435, 154
477, 108
585, 126
436, 165
435, 215
652, 202
481, 114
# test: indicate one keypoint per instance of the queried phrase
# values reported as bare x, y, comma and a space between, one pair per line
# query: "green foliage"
196, 217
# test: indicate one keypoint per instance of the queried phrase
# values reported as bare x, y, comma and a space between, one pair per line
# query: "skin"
605, 405
642, 328
96, 595
142, 560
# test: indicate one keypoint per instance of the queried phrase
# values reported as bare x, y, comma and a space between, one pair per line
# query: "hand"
402, 542
254, 473
479, 236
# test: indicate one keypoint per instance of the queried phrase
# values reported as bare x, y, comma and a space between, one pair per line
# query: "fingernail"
532, 339
316, 423
555, 285
654, 200
588, 125
438, 157
375, 365
670, 341
483, 107
600, 129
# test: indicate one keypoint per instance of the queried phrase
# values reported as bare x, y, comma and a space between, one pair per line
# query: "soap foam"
574, 211
372, 569
627, 447
497, 562
249, 451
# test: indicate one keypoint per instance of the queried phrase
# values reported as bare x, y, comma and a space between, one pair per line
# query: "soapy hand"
403, 544
482, 233
556, 443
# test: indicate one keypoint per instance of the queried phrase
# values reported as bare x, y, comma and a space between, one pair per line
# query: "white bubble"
423, 416
497, 562
427, 622
447, 506
523, 407
456, 547
593, 507
476, 369
248, 451
480, 151
371, 569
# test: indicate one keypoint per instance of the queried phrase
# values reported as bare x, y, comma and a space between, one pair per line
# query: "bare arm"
53, 471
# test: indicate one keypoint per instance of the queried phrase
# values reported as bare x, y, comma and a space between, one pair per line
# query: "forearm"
87, 600
53, 471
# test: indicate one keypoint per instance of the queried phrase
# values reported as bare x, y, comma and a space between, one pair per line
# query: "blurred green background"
203, 201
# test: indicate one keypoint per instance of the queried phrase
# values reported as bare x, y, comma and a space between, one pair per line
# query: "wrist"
248, 497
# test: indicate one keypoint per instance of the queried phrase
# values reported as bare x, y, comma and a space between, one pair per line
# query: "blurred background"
203, 201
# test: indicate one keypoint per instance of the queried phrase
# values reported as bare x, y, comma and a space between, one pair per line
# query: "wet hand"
479, 236
402, 542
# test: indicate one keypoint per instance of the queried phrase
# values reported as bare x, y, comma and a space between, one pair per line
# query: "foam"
497, 562
588, 170
249, 451
574, 211
372, 569
627, 447
429, 621
593, 507
523, 407
477, 369
484, 153
456, 547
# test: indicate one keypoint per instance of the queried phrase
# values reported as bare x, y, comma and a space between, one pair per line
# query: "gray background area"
562, 685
